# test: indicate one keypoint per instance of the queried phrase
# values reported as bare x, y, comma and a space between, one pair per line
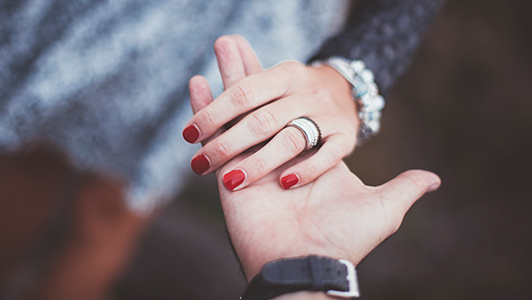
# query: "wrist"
332, 75
287, 277
340, 95
340, 87
254, 267
365, 92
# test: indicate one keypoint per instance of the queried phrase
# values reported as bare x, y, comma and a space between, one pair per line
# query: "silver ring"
309, 128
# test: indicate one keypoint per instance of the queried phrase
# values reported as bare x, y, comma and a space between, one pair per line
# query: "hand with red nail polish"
258, 104
336, 215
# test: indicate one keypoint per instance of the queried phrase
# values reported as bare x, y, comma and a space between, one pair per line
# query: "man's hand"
336, 215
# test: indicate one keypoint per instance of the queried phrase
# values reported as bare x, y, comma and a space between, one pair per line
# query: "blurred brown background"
463, 110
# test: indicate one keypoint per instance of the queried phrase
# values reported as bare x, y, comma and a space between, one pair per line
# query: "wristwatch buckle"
353, 283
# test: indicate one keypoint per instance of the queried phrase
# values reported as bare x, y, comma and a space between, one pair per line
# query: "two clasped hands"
278, 202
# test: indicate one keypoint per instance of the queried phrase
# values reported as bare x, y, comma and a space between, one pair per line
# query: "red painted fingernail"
191, 133
289, 181
200, 164
234, 179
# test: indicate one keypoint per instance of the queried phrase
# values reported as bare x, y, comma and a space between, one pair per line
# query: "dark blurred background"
462, 110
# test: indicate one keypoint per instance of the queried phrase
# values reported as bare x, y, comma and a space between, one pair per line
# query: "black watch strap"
309, 273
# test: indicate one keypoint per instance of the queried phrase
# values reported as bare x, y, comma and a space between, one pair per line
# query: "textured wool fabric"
106, 81
384, 34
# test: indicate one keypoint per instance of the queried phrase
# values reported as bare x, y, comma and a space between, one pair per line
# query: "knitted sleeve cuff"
384, 34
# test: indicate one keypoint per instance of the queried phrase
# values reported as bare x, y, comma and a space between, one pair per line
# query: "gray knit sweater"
106, 81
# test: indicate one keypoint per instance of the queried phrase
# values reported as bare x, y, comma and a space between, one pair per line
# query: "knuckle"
291, 67
311, 170
414, 183
294, 142
335, 153
208, 118
221, 149
262, 123
243, 95
258, 165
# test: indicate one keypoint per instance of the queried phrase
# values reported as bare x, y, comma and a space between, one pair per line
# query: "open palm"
336, 215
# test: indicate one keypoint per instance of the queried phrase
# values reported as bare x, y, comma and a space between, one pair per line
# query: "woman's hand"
266, 101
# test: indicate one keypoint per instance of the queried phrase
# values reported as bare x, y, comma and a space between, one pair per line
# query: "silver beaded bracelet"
365, 92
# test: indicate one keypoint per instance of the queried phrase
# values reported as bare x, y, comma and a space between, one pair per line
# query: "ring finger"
287, 144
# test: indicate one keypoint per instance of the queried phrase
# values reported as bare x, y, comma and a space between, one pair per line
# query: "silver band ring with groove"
310, 130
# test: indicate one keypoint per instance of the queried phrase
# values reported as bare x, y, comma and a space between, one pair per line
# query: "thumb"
401, 192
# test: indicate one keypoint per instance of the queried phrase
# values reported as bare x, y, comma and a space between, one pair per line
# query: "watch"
336, 277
